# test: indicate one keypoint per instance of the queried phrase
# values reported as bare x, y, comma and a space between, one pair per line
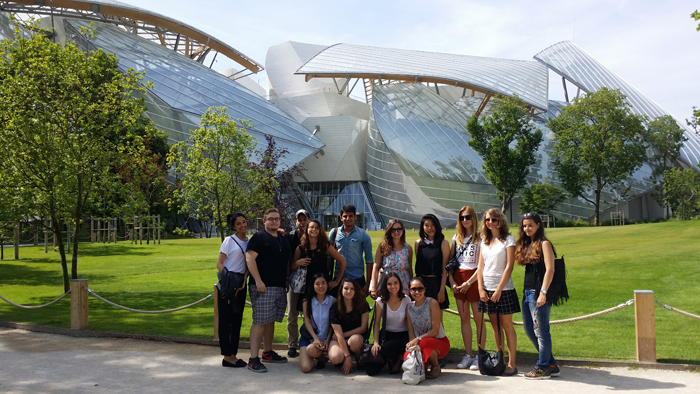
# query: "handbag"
297, 280
229, 282
413, 367
491, 364
453, 264
558, 292
367, 357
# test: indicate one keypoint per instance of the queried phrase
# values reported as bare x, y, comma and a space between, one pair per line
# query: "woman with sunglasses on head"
393, 255
432, 254
536, 253
424, 321
316, 306
392, 297
232, 256
348, 316
312, 253
464, 282
497, 295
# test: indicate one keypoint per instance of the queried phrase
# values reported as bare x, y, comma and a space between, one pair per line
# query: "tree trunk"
76, 239
504, 201
57, 227
596, 221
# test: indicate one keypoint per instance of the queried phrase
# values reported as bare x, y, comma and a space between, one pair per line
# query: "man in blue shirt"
351, 241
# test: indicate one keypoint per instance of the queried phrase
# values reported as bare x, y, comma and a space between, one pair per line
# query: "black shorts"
508, 304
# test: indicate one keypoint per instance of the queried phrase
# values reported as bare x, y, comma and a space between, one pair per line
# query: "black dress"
429, 267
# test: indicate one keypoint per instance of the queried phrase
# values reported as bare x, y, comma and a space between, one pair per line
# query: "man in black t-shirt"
267, 259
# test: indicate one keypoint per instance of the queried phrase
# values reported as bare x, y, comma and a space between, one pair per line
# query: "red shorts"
462, 276
427, 345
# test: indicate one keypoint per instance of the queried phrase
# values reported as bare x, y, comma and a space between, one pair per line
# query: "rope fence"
672, 309
92, 293
37, 306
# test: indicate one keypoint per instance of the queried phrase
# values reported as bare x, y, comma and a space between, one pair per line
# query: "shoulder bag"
413, 366
229, 281
367, 357
491, 364
558, 292
297, 280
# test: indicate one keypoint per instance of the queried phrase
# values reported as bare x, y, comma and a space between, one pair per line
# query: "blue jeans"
536, 325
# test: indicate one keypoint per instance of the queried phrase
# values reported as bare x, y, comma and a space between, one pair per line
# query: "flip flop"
434, 372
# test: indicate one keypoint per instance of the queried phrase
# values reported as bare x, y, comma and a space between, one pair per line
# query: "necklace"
279, 242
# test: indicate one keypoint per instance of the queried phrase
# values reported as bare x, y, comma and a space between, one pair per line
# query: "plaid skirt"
508, 304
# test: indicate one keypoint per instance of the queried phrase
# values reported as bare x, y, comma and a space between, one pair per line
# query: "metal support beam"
483, 104
566, 93
353, 86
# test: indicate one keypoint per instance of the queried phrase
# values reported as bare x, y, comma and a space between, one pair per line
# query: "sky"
651, 44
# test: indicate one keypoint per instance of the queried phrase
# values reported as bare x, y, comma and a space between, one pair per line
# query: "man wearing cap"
302, 218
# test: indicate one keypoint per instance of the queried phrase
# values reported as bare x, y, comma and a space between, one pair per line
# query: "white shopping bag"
413, 367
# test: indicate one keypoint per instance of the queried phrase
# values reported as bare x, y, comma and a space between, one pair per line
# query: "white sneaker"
466, 362
474, 366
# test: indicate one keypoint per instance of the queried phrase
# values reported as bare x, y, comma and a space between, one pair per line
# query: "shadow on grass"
115, 250
16, 274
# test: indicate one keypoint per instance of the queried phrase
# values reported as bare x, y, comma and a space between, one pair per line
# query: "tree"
541, 198
694, 121
64, 114
682, 192
598, 144
214, 164
507, 140
666, 138
696, 16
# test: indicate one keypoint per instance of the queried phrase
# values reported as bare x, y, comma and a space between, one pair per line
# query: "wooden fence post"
216, 313
78, 304
16, 240
645, 326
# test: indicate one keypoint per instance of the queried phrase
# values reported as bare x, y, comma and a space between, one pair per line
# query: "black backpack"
558, 292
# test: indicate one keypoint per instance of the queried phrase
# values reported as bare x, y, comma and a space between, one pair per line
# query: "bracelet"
347, 356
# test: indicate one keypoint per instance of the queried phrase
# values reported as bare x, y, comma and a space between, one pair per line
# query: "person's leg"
306, 362
479, 322
268, 336
511, 337
335, 353
529, 305
256, 336
466, 326
544, 338
355, 344
292, 321
225, 329
435, 368
498, 337
238, 306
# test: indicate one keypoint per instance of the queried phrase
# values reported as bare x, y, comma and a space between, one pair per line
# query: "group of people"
409, 305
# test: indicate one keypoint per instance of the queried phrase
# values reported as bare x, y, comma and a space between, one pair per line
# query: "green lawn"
605, 265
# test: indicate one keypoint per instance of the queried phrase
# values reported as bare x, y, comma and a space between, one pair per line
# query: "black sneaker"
292, 353
554, 370
273, 357
255, 365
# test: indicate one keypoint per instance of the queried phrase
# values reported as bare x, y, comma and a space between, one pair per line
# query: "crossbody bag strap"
382, 335
371, 322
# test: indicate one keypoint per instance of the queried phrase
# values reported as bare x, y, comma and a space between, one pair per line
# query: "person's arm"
483, 295
378, 311
548, 254
297, 261
220, 261
453, 283
342, 263
307, 321
361, 329
367, 246
329, 259
510, 260
410, 263
412, 340
443, 280
250, 257
373, 285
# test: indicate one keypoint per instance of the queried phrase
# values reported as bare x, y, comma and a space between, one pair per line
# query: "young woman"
497, 294
424, 321
536, 253
393, 255
312, 254
432, 253
349, 316
465, 247
392, 297
232, 256
317, 306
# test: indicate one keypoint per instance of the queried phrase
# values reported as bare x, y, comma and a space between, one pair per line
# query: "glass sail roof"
527, 79
578, 67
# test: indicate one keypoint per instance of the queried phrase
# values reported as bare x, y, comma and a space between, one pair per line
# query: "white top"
495, 262
320, 313
467, 253
235, 253
396, 319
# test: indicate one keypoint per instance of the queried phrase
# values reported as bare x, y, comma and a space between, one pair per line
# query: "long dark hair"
322, 242
357, 299
439, 236
523, 256
231, 219
384, 290
387, 245
311, 293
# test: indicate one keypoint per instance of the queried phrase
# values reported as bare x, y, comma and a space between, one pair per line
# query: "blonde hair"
462, 231
494, 213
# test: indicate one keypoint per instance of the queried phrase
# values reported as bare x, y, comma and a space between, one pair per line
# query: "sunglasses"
489, 220
465, 217
529, 215
418, 289
396, 230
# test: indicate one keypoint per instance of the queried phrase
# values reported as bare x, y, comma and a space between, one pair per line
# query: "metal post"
16, 241
216, 313
78, 304
645, 326
92, 230
158, 229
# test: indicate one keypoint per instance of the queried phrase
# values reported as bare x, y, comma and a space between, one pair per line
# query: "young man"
267, 259
302, 218
351, 241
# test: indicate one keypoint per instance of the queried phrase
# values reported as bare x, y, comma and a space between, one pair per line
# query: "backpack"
558, 292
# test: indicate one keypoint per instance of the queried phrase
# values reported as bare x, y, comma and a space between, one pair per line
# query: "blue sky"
651, 44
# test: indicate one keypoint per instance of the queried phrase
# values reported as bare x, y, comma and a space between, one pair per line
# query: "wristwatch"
419, 339
543, 291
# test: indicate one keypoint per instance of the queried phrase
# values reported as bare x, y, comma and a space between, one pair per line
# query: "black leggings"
230, 320
393, 349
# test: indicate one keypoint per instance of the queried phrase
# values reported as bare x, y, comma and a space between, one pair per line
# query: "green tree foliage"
666, 139
64, 114
507, 140
696, 16
541, 198
682, 192
216, 174
694, 121
598, 144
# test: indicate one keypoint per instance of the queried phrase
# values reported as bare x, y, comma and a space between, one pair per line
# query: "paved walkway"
33, 362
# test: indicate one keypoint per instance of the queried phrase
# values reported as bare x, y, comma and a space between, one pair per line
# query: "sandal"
434, 372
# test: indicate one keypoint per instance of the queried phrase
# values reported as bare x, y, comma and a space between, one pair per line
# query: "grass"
605, 265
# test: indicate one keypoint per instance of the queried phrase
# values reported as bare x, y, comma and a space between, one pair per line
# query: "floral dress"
398, 262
